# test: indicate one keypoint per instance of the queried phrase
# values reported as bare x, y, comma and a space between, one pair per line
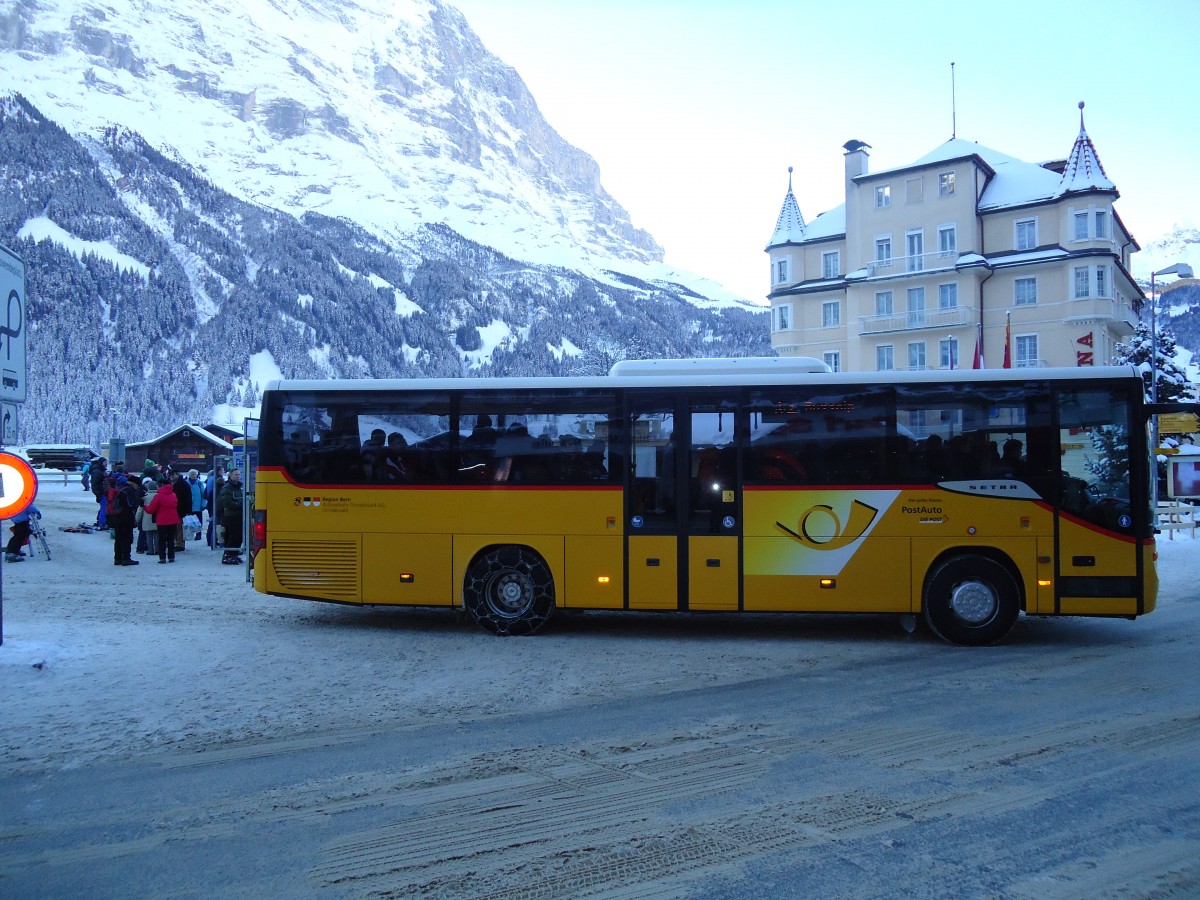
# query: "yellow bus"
752, 485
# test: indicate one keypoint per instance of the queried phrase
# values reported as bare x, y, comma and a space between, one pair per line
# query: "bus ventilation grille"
317, 568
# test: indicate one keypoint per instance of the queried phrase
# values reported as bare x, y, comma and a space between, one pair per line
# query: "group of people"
157, 503
385, 462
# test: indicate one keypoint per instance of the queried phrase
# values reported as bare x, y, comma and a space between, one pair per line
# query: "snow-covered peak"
1181, 245
388, 112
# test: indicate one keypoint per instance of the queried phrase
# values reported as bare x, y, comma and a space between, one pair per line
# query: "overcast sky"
694, 109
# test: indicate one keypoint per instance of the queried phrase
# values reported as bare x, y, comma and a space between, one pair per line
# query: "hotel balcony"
954, 317
1120, 314
911, 265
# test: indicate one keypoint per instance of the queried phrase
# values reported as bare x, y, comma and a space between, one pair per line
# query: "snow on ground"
102, 662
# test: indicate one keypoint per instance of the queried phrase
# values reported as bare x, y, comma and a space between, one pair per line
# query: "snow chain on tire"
509, 591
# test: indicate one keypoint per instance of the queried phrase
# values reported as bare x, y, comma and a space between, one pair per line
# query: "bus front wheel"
509, 591
971, 600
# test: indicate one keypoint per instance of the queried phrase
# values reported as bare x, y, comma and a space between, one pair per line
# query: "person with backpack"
183, 505
99, 475
122, 505
20, 533
212, 490
145, 518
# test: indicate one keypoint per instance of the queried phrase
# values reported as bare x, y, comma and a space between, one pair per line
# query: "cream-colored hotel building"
955, 259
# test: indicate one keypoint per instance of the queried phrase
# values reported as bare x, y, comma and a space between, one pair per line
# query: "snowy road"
167, 732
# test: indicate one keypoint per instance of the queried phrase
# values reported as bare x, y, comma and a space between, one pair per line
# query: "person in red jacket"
164, 507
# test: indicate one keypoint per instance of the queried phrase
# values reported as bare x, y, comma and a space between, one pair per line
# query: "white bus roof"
745, 365
710, 373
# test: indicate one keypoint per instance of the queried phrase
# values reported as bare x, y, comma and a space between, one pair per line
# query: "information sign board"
12, 327
1183, 476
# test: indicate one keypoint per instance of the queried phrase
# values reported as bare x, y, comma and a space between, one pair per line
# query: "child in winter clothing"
145, 519
20, 534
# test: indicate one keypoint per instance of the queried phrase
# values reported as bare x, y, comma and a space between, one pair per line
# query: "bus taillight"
258, 532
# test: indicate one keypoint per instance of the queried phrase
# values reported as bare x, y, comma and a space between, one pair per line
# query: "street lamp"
1183, 270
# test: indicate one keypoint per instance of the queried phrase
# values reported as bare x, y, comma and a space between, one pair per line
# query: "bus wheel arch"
971, 596
509, 590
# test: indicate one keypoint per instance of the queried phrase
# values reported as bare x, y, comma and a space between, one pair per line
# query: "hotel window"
914, 190
1025, 292
883, 248
947, 296
946, 184
885, 358
1081, 226
781, 271
1026, 346
1101, 224
831, 264
783, 317
831, 314
914, 243
1080, 282
1026, 234
916, 357
833, 359
948, 353
947, 239
883, 196
883, 303
916, 306
1101, 281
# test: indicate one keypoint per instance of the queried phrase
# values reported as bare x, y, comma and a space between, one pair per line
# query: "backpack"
115, 505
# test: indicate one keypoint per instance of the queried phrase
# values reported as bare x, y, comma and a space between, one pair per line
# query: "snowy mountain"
1181, 245
388, 112
1178, 299
313, 189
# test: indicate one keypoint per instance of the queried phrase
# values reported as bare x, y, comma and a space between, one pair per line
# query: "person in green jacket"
231, 499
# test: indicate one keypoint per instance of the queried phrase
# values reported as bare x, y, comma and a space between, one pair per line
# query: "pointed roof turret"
790, 227
1083, 171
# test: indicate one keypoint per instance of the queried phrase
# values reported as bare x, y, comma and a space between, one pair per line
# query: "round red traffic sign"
18, 485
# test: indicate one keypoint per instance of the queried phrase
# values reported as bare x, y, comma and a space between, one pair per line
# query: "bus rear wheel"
509, 591
971, 600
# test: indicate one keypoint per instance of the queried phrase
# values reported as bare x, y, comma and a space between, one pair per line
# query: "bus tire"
971, 600
509, 591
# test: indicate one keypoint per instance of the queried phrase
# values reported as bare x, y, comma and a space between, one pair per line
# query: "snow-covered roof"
789, 229
1011, 182
1084, 171
196, 429
828, 224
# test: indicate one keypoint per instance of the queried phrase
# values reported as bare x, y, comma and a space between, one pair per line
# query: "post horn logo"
812, 529
306, 501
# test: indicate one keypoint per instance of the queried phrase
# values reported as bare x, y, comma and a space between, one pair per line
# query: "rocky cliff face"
207, 198
388, 112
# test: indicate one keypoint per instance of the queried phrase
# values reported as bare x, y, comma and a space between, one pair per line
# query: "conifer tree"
1172, 381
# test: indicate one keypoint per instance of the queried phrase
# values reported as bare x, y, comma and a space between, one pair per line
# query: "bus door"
683, 503
1098, 558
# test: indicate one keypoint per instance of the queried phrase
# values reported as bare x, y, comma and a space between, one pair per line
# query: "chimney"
856, 164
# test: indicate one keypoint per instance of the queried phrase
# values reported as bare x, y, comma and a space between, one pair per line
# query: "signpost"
18, 487
12, 327
17, 478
